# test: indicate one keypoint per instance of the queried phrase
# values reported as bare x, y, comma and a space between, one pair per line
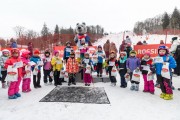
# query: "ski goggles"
162, 47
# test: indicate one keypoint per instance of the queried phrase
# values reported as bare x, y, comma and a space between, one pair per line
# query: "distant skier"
106, 48
128, 40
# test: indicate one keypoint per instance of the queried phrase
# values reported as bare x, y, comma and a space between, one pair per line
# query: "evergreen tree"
45, 30
175, 19
56, 31
165, 20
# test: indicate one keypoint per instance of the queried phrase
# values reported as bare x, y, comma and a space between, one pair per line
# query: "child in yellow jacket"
57, 64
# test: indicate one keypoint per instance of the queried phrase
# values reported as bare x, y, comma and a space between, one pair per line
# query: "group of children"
132, 67
127, 67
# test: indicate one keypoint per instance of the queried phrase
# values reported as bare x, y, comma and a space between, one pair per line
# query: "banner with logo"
152, 48
91, 49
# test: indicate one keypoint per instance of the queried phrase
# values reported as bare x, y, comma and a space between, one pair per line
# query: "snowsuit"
87, 76
148, 85
177, 58
128, 40
30, 48
13, 45
165, 84
113, 48
67, 51
106, 48
100, 62
26, 81
38, 76
132, 63
72, 68
122, 46
14, 86
114, 61
57, 64
122, 71
47, 68
128, 49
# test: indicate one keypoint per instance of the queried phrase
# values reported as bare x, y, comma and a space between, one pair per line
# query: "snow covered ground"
125, 104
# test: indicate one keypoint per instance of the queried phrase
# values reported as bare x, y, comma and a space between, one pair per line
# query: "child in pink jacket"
26, 73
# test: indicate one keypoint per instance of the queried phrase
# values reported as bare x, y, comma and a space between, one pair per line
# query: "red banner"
152, 48
91, 49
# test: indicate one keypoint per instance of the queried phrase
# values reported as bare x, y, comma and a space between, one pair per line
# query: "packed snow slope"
124, 104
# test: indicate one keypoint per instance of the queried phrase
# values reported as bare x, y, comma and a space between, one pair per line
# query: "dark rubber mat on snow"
95, 95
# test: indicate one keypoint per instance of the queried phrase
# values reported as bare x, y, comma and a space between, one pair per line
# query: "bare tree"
19, 31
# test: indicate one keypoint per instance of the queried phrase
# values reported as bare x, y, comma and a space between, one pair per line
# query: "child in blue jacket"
67, 51
165, 83
35, 58
101, 56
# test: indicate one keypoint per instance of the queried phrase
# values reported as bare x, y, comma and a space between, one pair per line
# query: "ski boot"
132, 87
18, 95
100, 75
12, 97
162, 95
97, 75
168, 97
136, 87
4, 86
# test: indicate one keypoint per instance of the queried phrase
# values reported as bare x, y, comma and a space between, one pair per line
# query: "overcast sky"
113, 15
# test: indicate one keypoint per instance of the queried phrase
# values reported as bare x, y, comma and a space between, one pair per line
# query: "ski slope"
125, 104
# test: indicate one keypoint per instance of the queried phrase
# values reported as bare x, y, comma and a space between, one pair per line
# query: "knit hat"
99, 46
112, 52
147, 53
55, 52
133, 52
25, 53
36, 51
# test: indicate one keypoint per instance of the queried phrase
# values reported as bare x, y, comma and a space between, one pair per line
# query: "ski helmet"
163, 47
123, 53
133, 52
5, 51
47, 52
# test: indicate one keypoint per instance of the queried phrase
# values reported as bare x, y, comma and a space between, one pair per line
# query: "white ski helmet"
5, 51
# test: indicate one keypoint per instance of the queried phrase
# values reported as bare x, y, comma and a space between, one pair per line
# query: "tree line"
160, 24
48, 38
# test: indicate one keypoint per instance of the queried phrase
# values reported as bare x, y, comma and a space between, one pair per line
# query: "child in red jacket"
13, 91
